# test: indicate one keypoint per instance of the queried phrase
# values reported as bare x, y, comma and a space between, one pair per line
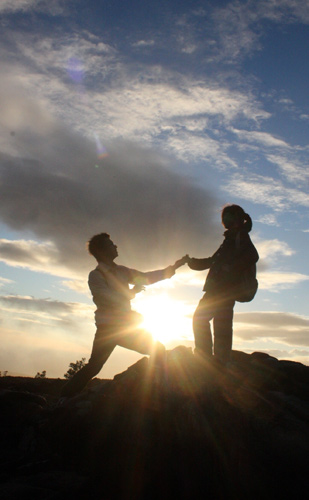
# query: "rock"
200, 432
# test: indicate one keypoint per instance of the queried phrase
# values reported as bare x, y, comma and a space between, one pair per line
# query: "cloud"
58, 189
15, 5
260, 138
288, 328
151, 211
270, 276
233, 31
39, 310
268, 219
271, 249
78, 285
189, 145
266, 191
4, 281
238, 26
150, 102
294, 171
54, 8
274, 281
71, 58
167, 104
41, 257
144, 43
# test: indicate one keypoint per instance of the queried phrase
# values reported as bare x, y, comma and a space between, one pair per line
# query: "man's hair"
97, 243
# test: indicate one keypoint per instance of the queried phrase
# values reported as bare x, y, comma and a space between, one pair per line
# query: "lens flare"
75, 70
101, 151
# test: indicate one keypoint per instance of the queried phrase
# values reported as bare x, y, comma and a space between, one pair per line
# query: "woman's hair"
236, 214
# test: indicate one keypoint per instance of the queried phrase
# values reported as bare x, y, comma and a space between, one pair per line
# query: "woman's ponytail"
247, 223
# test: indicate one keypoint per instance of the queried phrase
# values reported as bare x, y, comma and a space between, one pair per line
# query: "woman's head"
233, 216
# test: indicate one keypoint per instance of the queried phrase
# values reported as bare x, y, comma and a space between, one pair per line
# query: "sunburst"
165, 318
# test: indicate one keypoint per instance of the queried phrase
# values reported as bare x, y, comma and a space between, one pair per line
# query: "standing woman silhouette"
236, 254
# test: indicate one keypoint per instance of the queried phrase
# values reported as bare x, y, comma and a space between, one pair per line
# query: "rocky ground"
204, 433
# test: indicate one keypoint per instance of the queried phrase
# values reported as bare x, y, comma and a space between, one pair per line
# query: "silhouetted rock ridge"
199, 432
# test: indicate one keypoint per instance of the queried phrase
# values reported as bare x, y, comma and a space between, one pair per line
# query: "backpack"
247, 285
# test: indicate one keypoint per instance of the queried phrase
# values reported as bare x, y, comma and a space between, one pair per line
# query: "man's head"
102, 247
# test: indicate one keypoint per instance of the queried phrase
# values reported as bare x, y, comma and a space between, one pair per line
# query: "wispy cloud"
144, 43
188, 145
260, 138
294, 171
50, 309
268, 219
266, 191
148, 102
15, 5
239, 28
54, 8
274, 281
4, 281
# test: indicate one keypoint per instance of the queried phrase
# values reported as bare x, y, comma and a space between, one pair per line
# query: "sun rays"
165, 318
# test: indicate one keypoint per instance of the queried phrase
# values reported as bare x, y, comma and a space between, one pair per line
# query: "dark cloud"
28, 314
272, 319
65, 194
28, 254
288, 328
39, 305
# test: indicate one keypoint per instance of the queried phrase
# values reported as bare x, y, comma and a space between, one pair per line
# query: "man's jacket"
109, 286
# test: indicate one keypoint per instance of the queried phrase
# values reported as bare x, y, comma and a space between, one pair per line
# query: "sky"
143, 119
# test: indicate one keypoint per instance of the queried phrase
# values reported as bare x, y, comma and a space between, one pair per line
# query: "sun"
165, 318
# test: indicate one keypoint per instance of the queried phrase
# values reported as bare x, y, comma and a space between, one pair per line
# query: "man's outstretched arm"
150, 277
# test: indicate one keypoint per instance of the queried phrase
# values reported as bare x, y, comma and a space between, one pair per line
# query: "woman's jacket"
226, 265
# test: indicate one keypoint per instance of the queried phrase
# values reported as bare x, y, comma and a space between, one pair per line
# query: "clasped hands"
138, 288
181, 262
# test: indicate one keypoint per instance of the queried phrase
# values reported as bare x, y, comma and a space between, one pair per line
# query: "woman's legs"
201, 327
223, 330
221, 311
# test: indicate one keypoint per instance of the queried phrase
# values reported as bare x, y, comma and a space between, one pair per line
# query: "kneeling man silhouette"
116, 322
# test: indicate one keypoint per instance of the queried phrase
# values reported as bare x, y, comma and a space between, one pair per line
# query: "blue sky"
143, 119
